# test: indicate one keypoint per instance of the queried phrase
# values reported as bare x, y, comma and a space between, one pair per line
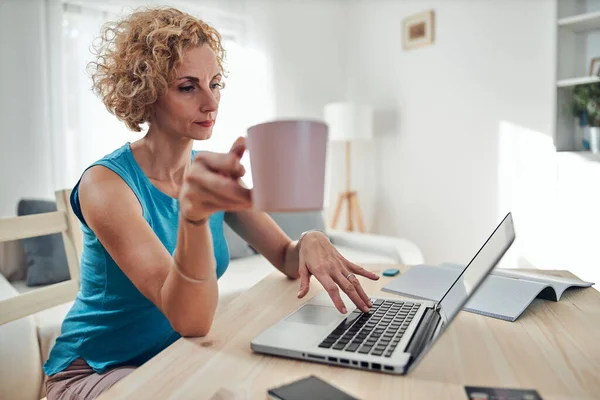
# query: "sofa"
26, 343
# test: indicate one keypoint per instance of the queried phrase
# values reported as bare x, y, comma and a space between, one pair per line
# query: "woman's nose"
209, 103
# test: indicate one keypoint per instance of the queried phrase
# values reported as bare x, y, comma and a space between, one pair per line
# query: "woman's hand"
213, 184
320, 258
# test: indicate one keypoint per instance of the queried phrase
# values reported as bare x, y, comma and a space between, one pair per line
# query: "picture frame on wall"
418, 30
595, 67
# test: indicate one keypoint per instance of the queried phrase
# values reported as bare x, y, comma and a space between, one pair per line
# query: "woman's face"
189, 108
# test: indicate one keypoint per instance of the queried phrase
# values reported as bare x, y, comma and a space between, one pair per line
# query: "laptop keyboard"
377, 332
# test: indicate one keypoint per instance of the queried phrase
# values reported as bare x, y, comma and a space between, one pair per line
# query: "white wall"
25, 146
304, 44
442, 113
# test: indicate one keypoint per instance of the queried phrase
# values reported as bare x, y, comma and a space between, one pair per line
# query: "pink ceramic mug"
287, 160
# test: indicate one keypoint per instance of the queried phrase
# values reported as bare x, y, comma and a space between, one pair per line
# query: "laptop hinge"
423, 334
438, 310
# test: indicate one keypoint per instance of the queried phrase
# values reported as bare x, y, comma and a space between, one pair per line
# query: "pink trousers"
80, 382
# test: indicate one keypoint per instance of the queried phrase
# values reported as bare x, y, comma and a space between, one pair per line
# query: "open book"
505, 293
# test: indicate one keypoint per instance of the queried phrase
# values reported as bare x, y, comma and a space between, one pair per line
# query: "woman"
152, 212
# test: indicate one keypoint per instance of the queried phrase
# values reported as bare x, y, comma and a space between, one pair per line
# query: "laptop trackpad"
314, 315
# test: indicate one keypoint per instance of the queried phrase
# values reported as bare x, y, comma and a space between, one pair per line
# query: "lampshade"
349, 121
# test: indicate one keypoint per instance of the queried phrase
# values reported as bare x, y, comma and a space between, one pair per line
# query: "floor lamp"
349, 122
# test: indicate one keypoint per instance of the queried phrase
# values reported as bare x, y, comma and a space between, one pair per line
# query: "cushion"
362, 257
45, 255
20, 364
48, 325
238, 247
21, 286
294, 223
12, 260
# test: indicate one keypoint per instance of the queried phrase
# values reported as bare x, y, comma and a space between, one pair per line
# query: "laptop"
394, 335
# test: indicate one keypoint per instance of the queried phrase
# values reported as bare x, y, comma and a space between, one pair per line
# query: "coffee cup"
287, 160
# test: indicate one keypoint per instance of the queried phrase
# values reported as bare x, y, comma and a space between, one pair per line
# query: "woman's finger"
304, 281
238, 147
210, 203
361, 271
220, 186
333, 291
226, 164
350, 289
361, 292
214, 201
223, 199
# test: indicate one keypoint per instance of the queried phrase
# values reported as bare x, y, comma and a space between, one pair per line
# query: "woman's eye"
186, 89
217, 85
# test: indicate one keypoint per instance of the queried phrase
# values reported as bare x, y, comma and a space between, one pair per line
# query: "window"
91, 131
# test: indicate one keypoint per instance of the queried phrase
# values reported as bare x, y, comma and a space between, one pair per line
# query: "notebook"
505, 294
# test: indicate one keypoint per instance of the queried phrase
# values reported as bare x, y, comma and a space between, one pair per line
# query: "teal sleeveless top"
111, 323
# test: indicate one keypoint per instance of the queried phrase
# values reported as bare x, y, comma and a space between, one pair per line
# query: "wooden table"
554, 347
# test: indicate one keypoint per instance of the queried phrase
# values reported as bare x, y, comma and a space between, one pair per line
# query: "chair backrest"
64, 221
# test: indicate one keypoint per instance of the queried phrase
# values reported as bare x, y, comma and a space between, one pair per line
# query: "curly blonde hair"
136, 59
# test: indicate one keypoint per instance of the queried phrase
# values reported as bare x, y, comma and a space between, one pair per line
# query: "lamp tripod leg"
338, 210
357, 212
350, 226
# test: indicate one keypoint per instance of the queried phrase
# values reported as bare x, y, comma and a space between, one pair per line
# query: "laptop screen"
471, 277
480, 266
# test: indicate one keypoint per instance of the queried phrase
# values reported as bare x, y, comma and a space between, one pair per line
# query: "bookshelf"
581, 22
578, 171
563, 83
578, 42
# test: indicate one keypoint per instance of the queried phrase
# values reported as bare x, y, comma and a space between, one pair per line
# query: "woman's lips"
205, 124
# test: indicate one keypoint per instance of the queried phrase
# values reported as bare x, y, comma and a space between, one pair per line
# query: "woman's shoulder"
111, 169
99, 187
117, 154
118, 161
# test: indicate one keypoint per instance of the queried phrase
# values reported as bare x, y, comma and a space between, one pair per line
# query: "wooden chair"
63, 221
16, 228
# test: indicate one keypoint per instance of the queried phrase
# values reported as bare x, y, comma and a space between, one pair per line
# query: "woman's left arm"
262, 233
313, 255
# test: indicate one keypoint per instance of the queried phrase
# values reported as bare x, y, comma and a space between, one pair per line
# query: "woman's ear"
149, 115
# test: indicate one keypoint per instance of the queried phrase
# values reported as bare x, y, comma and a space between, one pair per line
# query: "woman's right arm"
114, 213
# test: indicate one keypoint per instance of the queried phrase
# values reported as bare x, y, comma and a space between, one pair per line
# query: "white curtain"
90, 130
29, 100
